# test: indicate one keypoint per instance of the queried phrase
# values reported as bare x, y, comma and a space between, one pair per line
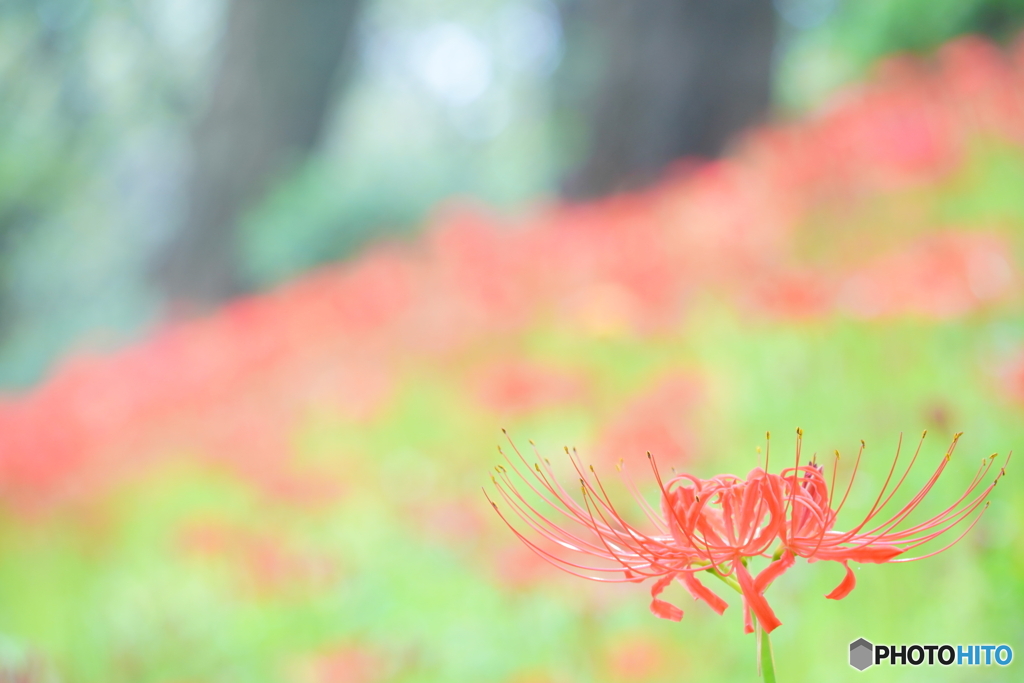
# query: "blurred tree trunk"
266, 110
677, 78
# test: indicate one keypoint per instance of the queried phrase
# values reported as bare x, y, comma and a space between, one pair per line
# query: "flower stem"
728, 580
766, 661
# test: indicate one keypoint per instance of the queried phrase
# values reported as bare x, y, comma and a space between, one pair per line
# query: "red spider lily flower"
718, 525
705, 525
809, 531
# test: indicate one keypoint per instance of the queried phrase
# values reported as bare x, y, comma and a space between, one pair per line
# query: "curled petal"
748, 622
701, 592
773, 571
844, 588
660, 608
756, 602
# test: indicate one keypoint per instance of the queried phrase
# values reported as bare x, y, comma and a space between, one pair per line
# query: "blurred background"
274, 276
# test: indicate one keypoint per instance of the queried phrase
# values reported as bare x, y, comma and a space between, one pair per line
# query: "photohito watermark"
864, 654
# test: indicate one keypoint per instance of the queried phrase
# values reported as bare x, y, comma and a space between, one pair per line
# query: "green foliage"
857, 33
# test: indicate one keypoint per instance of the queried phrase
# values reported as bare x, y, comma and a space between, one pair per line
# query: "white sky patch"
452, 63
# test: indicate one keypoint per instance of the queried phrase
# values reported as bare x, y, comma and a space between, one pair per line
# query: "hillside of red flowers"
777, 230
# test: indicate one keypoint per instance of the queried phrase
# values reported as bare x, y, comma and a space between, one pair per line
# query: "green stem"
767, 661
728, 580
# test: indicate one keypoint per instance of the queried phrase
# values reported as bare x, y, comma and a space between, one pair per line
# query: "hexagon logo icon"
861, 654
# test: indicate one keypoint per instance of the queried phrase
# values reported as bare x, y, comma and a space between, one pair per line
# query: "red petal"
773, 571
701, 592
660, 608
873, 554
844, 588
758, 605
748, 623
